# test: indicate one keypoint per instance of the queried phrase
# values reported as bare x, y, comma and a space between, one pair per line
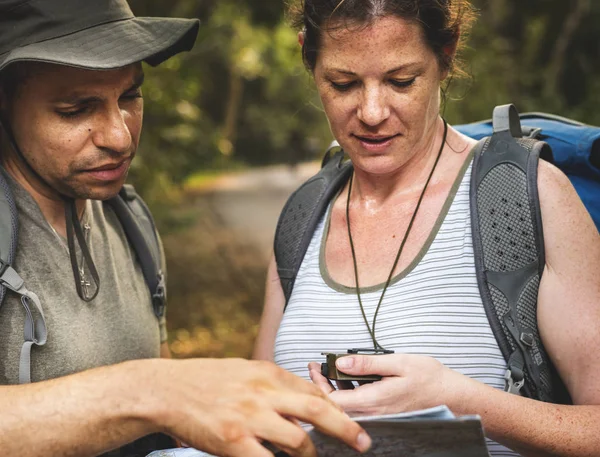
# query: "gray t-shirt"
118, 325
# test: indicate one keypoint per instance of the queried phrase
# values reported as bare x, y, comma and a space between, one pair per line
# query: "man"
71, 115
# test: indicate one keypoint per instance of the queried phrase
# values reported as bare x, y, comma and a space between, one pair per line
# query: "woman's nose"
373, 109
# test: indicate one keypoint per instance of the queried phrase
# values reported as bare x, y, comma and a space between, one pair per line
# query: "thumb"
382, 365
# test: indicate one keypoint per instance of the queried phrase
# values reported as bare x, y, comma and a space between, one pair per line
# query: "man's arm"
165, 352
225, 407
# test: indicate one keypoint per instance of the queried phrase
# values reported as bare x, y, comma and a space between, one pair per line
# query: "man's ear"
3, 103
301, 38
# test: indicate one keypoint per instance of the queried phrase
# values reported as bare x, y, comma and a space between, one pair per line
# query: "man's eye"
72, 113
132, 95
402, 83
342, 86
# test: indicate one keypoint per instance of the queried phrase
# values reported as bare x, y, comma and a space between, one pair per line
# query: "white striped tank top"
431, 308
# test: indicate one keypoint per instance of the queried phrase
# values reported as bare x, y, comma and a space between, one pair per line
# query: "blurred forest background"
242, 101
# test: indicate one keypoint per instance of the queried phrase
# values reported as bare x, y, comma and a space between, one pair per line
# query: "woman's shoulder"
562, 209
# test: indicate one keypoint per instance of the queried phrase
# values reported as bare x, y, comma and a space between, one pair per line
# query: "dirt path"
249, 203
217, 267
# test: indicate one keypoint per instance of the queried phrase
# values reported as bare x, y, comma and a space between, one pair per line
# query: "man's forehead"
64, 80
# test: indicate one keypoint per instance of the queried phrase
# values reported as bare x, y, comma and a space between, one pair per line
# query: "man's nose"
373, 108
112, 132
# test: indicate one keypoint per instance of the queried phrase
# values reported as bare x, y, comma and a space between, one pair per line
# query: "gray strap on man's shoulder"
35, 332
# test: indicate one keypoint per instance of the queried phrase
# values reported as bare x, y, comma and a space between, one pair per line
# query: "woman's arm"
569, 322
271, 316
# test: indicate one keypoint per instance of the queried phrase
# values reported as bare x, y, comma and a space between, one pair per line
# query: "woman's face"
380, 87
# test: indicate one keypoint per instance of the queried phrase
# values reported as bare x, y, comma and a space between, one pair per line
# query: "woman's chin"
377, 165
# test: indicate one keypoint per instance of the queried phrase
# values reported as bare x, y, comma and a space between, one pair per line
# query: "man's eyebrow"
137, 82
78, 98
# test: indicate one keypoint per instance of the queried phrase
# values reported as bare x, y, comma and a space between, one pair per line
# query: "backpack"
575, 149
137, 222
506, 228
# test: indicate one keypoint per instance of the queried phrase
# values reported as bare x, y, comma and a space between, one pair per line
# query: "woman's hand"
410, 382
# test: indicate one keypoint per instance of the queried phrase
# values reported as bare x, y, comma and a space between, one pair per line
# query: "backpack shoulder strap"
301, 214
34, 332
137, 221
508, 244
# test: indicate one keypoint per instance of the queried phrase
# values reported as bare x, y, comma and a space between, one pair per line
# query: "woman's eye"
402, 83
342, 86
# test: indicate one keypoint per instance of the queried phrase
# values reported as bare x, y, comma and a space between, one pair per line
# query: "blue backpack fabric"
575, 147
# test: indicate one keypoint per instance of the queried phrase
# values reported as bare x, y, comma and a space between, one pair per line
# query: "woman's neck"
374, 191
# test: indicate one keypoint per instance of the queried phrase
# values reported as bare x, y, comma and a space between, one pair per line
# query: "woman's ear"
450, 53
301, 38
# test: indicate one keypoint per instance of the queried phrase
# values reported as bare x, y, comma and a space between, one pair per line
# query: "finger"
293, 382
383, 365
362, 400
246, 447
324, 416
344, 385
285, 435
321, 381
314, 366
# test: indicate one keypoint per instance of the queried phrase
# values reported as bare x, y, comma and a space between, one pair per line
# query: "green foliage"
541, 55
242, 97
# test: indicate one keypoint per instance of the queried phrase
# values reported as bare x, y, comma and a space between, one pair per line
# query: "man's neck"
49, 201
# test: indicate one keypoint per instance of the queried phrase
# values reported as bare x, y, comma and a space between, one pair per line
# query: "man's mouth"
108, 166
110, 171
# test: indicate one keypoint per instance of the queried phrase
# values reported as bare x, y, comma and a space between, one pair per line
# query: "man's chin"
104, 192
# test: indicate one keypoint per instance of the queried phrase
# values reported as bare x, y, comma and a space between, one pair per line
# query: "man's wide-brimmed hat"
91, 34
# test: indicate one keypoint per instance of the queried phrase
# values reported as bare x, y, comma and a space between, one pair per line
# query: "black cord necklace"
376, 344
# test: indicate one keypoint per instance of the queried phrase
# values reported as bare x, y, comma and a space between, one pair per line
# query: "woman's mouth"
375, 143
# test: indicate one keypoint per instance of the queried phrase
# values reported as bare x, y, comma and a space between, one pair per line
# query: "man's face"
79, 129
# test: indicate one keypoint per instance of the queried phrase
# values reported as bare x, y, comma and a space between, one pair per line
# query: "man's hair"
12, 77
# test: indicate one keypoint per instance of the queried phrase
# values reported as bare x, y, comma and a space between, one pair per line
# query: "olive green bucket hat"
91, 34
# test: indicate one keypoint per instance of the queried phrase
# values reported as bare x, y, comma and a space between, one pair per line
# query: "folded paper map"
433, 432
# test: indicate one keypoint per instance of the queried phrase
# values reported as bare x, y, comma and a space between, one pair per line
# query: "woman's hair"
444, 22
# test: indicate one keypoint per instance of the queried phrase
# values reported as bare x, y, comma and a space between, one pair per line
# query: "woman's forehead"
385, 41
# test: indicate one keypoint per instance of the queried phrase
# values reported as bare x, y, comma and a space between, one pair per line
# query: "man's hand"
410, 382
228, 407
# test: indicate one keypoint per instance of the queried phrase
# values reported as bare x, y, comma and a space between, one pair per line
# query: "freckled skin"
60, 149
373, 104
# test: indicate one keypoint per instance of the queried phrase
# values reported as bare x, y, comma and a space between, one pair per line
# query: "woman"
379, 66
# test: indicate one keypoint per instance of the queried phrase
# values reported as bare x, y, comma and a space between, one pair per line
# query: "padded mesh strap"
509, 249
302, 213
35, 332
137, 224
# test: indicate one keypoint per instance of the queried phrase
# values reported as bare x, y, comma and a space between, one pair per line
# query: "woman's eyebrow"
406, 66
